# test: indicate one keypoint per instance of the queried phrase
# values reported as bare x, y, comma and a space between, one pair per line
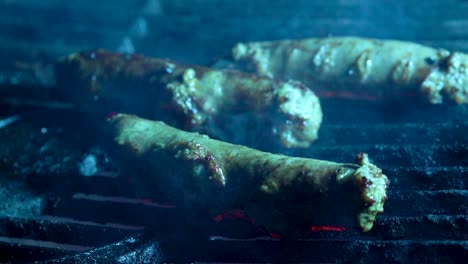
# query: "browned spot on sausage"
196, 152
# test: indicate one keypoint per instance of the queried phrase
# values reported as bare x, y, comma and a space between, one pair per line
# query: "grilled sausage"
285, 194
354, 64
189, 97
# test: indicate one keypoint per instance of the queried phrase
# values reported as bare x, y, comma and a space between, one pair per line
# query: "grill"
64, 217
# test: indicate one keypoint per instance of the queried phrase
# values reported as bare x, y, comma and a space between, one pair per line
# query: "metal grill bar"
319, 251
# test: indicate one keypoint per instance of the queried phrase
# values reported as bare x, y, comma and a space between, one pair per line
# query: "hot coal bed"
64, 200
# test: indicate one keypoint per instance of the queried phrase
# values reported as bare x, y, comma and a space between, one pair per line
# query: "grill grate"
426, 216
423, 149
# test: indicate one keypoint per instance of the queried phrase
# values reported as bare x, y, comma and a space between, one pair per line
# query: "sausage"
189, 97
377, 67
284, 194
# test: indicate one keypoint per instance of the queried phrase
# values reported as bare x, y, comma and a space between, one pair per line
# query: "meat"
189, 97
354, 64
285, 194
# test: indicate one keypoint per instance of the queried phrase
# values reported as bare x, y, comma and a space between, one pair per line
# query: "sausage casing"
376, 67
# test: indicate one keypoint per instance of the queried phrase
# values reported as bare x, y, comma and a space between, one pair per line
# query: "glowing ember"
276, 236
240, 215
327, 228
233, 215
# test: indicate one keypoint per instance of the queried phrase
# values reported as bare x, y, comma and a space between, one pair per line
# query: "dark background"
199, 31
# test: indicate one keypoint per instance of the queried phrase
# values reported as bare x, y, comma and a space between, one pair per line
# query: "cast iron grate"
423, 149
426, 216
